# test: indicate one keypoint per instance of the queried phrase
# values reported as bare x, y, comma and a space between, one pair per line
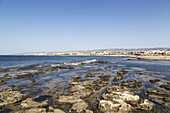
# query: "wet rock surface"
120, 75
161, 97
84, 88
6, 77
100, 62
154, 81
166, 86
132, 84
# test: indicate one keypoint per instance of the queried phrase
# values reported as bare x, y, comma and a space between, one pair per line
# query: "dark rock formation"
131, 84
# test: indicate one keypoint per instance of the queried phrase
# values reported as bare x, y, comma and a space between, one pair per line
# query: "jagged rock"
120, 99
29, 103
8, 96
80, 106
146, 105
70, 99
76, 94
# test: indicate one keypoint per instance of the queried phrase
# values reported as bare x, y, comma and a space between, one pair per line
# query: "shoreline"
147, 57
166, 58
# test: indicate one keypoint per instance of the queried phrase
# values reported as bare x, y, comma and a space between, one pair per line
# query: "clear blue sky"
61, 25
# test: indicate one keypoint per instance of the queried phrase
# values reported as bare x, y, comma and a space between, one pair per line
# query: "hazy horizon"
60, 25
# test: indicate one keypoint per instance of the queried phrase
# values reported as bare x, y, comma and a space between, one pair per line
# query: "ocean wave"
80, 62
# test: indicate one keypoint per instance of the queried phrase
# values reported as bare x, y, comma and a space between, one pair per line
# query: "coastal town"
109, 52
121, 52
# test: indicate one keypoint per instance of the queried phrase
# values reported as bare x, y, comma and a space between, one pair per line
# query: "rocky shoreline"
94, 92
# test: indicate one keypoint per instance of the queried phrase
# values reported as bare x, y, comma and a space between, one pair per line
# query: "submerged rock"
120, 75
154, 81
98, 62
28, 75
107, 67
161, 97
166, 86
92, 74
120, 99
132, 84
59, 67
6, 77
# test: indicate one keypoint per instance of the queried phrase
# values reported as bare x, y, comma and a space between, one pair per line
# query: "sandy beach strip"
160, 57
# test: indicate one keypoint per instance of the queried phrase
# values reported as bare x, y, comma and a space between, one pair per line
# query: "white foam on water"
79, 62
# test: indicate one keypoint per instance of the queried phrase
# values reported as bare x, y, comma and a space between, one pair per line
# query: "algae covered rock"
120, 75
132, 84
155, 81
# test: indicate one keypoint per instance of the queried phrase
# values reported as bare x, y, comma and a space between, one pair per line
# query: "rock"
107, 67
75, 100
6, 77
166, 86
35, 110
132, 84
76, 79
154, 81
32, 80
146, 105
29, 103
70, 99
52, 110
80, 106
28, 75
120, 75
157, 93
88, 111
59, 67
4, 70
125, 107
120, 99
161, 97
92, 74
82, 64
98, 62
8, 96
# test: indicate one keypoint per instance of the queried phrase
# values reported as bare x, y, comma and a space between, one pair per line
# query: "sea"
142, 70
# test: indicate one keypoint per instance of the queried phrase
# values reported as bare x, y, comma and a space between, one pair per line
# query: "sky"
65, 25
